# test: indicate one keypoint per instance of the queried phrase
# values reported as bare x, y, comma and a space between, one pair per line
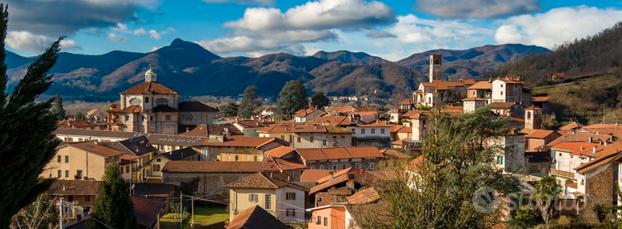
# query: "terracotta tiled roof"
195, 106
605, 155
501, 105
147, 88
481, 85
395, 128
364, 196
257, 218
305, 112
132, 109
218, 166
287, 165
392, 153
250, 123
74, 187
376, 124
147, 211
199, 131
312, 175
181, 154
341, 109
265, 180
453, 109
331, 120
321, 154
442, 84
243, 141
280, 151
537, 133
96, 148
540, 99
406, 102
510, 80
582, 137
412, 114
578, 148
293, 128
571, 126
337, 177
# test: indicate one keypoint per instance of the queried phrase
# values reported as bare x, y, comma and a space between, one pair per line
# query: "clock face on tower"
135, 101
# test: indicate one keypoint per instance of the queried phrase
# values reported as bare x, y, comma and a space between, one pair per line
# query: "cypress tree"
26, 126
57, 107
113, 205
249, 102
292, 98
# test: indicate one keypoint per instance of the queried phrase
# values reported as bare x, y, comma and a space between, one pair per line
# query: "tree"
39, 214
292, 98
57, 107
229, 109
249, 102
113, 205
456, 184
319, 100
27, 138
549, 122
546, 196
81, 116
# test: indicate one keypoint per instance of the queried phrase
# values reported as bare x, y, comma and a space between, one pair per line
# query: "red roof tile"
147, 88
322, 154
218, 166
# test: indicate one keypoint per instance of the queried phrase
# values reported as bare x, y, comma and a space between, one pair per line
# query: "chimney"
589, 139
581, 148
593, 149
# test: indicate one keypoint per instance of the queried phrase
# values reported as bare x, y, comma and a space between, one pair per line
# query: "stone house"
341, 157
308, 136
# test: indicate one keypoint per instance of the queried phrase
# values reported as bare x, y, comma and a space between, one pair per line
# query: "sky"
391, 29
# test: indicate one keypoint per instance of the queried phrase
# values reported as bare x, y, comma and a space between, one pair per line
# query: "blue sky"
390, 29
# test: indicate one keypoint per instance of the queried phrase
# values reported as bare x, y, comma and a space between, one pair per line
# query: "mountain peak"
179, 42
349, 57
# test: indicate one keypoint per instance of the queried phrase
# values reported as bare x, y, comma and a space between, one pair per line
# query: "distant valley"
193, 71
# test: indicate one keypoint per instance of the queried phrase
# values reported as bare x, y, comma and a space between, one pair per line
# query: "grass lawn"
202, 216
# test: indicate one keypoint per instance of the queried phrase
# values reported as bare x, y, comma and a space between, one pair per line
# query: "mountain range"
192, 71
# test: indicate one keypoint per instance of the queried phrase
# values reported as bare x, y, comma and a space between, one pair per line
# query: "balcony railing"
561, 173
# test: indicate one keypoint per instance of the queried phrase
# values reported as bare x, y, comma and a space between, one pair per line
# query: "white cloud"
261, 2
476, 8
556, 26
154, 34
35, 43
116, 37
140, 31
27, 41
438, 33
323, 14
263, 30
121, 27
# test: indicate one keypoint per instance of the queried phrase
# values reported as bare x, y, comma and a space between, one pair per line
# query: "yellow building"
81, 161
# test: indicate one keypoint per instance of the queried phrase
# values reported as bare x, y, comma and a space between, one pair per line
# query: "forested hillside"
594, 55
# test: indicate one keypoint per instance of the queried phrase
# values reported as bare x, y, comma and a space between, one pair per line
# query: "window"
252, 198
60, 174
151, 117
87, 198
58, 159
501, 92
236, 158
362, 131
382, 131
319, 220
167, 117
156, 167
373, 131
146, 99
158, 159
78, 174
127, 169
334, 167
325, 221
66, 158
66, 173
499, 160
290, 196
372, 165
283, 137
323, 141
311, 139
290, 212
268, 202
127, 117
298, 139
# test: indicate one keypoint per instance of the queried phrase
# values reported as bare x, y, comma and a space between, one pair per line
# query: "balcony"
561, 173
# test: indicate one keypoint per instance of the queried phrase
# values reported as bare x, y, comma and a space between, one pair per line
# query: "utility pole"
192, 211
61, 213
181, 210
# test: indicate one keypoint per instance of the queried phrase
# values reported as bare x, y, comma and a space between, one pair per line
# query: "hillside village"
319, 169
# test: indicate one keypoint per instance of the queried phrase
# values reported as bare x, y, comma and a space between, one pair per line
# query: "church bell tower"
435, 67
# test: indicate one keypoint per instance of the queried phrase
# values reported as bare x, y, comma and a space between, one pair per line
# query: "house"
308, 114
558, 76
342, 214
240, 148
566, 157
156, 163
81, 135
394, 116
373, 134
363, 157
510, 152
81, 161
212, 131
334, 188
405, 105
308, 136
508, 89
196, 113
271, 191
537, 139
208, 178
257, 218
507, 109
249, 127
417, 121
80, 194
